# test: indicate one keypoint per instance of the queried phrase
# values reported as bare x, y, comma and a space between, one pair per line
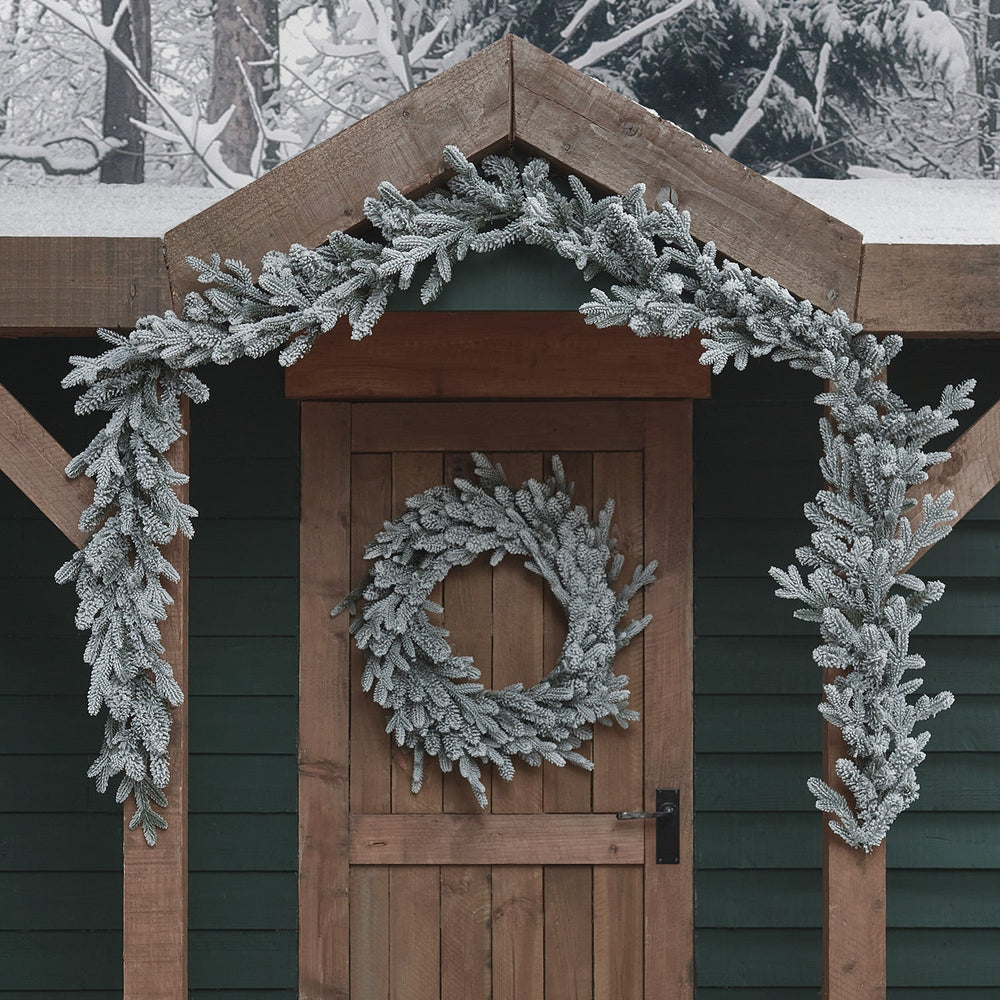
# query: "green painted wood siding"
244, 687
757, 734
60, 842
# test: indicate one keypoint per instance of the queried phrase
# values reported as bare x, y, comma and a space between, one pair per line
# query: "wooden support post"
154, 947
324, 704
35, 463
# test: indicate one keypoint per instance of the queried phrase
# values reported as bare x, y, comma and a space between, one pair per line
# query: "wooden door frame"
330, 431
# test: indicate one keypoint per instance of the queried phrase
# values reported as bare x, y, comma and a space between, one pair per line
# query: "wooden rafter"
971, 472
614, 143
35, 463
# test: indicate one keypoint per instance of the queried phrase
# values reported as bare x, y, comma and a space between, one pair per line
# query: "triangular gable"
513, 94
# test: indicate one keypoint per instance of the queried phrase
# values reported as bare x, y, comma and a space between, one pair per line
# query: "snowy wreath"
856, 587
409, 660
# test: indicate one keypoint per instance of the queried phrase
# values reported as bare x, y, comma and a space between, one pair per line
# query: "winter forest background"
216, 92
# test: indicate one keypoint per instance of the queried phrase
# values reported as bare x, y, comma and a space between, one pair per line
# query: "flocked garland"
855, 588
411, 665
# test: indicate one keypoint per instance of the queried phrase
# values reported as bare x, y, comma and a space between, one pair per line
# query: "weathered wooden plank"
669, 689
371, 505
518, 631
853, 901
59, 286
414, 933
618, 760
971, 472
466, 939
461, 839
568, 788
468, 616
601, 425
324, 693
934, 288
324, 188
518, 941
35, 461
155, 895
612, 142
497, 355
618, 931
412, 473
569, 946
369, 933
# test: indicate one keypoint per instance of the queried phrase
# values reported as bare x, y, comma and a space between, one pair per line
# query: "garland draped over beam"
855, 586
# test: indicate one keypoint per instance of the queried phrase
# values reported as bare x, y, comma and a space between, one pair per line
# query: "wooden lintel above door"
497, 355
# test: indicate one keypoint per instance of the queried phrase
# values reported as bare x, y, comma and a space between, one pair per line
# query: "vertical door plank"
567, 789
155, 887
518, 943
618, 934
370, 791
369, 932
412, 473
466, 929
414, 935
468, 615
518, 642
569, 966
618, 777
617, 763
324, 698
669, 730
371, 505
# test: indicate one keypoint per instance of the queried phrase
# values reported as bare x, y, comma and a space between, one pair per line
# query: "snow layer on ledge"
883, 209
100, 209
908, 209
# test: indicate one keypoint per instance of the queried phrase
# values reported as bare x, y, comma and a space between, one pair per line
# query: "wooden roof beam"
324, 188
612, 142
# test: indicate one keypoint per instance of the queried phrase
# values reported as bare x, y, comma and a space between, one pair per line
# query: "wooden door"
546, 895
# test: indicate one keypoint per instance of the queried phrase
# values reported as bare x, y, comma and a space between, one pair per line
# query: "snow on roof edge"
883, 209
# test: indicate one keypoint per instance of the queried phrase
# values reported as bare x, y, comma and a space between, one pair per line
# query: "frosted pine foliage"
855, 587
434, 705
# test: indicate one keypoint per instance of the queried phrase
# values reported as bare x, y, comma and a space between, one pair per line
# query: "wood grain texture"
413, 473
459, 839
930, 288
466, 932
603, 424
567, 788
414, 942
155, 887
569, 945
608, 140
371, 748
468, 616
669, 691
518, 631
70, 285
323, 189
324, 699
854, 933
618, 933
497, 355
34, 461
518, 940
971, 472
369, 933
